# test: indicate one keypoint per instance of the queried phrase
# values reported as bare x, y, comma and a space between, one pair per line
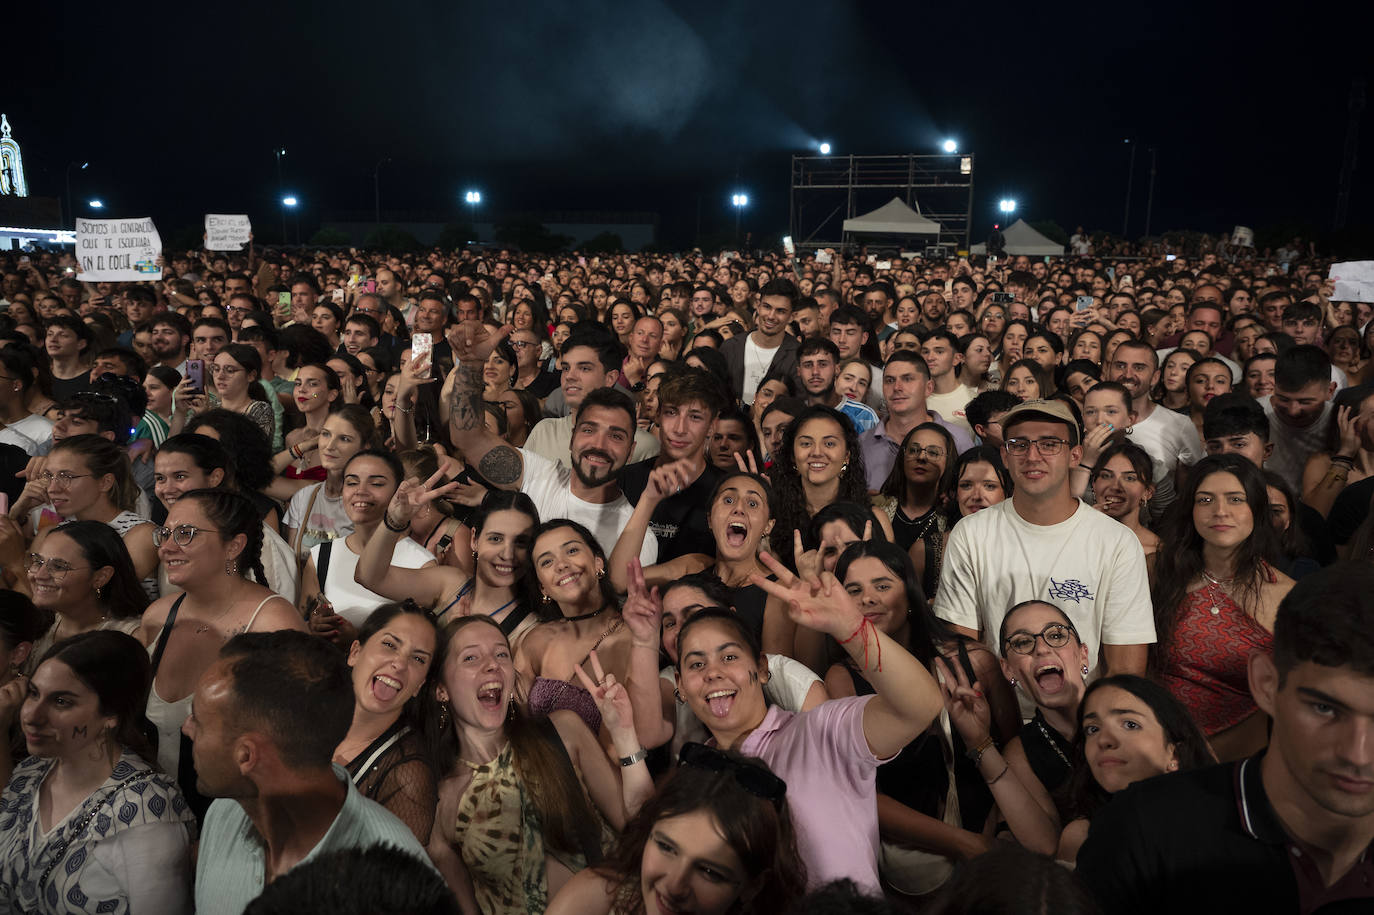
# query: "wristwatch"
634, 757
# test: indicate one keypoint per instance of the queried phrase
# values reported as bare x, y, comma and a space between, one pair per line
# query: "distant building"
25, 220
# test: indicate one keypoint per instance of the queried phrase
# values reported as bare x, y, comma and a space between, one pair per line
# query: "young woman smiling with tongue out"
392, 662
830, 754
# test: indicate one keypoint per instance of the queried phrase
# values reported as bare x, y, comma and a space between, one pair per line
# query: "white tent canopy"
1022, 239
893, 218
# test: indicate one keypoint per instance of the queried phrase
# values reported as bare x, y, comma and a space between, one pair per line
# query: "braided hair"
235, 514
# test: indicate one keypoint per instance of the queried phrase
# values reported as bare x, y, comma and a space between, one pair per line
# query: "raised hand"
749, 466
412, 495
968, 709
1096, 441
1349, 431
611, 698
816, 602
643, 610
667, 481
474, 341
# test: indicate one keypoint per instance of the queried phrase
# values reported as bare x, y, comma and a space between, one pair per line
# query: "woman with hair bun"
212, 540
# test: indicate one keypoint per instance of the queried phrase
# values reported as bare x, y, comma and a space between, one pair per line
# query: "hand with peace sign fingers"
613, 701
813, 597
375, 571
969, 711
1029, 811
908, 698
749, 466
643, 609
412, 495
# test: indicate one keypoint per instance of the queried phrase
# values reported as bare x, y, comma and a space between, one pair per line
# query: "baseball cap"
1054, 411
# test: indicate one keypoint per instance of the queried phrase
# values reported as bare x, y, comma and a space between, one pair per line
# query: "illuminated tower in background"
12, 182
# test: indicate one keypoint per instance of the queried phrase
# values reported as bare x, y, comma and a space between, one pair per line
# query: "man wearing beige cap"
1043, 544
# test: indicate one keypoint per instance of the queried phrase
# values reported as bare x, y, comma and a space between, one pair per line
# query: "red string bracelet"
876, 641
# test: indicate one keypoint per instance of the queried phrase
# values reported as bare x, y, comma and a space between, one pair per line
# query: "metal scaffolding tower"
826, 190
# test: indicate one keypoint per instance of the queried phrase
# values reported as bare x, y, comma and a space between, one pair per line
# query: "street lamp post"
739, 202
278, 153
71, 211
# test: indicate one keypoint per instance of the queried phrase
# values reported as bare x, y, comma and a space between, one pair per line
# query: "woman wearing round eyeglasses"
82, 575
89, 478
236, 370
212, 540
529, 367
715, 838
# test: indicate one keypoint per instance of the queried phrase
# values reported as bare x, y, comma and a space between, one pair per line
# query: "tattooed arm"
495, 460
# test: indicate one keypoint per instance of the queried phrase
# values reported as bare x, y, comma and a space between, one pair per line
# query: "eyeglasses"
181, 535
217, 369
758, 782
521, 344
934, 451
1049, 447
57, 568
1056, 635
64, 477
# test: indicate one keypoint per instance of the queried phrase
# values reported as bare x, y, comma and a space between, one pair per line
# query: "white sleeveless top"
168, 717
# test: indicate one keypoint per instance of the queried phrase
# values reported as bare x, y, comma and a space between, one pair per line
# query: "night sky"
652, 106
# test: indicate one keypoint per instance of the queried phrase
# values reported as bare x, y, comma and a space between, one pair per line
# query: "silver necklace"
1213, 586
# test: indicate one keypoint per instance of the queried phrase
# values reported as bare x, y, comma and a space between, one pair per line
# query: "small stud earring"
1013, 683
1085, 670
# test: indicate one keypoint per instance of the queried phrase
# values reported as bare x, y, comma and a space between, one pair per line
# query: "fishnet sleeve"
408, 788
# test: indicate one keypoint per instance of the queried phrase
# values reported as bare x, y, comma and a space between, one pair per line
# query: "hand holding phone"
195, 374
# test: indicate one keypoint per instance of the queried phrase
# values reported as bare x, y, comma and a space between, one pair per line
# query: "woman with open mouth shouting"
830, 754
332, 601
740, 517
395, 662
524, 799
500, 586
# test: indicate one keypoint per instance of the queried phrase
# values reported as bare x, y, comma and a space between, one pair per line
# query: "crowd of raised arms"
489, 582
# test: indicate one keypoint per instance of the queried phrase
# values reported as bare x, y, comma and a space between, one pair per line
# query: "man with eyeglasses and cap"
1043, 544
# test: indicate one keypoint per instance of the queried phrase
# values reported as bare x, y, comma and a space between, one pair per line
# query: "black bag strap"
165, 634
323, 565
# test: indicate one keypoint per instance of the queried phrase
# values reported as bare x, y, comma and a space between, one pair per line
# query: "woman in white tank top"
212, 540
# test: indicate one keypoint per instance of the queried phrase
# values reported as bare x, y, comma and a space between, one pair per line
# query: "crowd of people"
494, 582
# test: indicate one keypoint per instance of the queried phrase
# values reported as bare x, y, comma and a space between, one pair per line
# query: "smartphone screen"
195, 373
421, 346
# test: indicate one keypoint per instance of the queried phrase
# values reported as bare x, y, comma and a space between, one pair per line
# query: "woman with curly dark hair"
716, 837
819, 462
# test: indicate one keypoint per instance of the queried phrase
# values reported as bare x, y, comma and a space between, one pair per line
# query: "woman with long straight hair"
1216, 594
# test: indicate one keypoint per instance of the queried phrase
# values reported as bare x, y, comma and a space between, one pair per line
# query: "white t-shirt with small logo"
756, 362
1090, 566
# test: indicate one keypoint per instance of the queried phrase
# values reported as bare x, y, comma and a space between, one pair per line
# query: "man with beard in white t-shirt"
1169, 438
1043, 544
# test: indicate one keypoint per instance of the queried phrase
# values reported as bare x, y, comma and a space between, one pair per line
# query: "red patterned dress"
1206, 664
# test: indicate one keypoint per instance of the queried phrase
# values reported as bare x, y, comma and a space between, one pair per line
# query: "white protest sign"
118, 250
1354, 281
823, 257
1243, 237
226, 233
